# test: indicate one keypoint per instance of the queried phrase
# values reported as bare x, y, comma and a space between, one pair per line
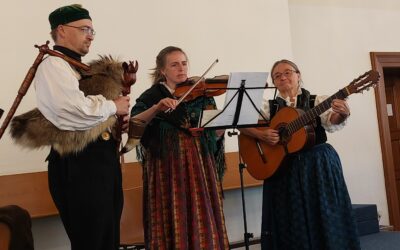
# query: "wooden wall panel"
30, 190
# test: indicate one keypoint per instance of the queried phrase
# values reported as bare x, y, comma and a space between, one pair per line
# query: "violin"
191, 87
207, 87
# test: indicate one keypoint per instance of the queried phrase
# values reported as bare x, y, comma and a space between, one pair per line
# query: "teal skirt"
306, 204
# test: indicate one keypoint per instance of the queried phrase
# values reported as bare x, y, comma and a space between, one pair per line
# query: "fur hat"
67, 14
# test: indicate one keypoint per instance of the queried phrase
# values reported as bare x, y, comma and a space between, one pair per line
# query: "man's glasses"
87, 30
287, 73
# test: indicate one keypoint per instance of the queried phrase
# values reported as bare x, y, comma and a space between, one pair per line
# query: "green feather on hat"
68, 14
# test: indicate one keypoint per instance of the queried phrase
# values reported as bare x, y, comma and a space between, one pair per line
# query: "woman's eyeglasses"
287, 73
87, 30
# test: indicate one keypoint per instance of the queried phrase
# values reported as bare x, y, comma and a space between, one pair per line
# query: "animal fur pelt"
33, 130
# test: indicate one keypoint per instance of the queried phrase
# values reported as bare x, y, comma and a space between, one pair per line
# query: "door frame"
379, 61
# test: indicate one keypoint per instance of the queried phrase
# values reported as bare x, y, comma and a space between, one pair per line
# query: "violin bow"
194, 85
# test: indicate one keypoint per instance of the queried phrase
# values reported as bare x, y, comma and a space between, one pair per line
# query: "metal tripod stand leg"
247, 235
242, 166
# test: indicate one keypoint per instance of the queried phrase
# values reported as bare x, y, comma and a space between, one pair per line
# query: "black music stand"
239, 94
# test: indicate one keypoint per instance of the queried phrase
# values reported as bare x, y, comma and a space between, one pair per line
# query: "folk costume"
85, 184
306, 204
69, 124
182, 195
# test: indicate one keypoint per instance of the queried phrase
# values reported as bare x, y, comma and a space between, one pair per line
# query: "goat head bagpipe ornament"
129, 78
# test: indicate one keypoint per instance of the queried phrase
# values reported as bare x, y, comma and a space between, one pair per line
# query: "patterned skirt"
306, 205
182, 197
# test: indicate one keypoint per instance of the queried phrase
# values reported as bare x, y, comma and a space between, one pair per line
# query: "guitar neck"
313, 113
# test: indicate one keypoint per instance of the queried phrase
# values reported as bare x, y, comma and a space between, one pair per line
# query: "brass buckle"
105, 136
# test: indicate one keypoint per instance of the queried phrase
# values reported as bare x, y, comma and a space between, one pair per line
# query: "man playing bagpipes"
76, 110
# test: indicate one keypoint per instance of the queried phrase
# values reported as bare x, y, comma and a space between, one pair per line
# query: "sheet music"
248, 114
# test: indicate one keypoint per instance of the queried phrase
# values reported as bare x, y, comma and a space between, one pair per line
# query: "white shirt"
61, 101
325, 117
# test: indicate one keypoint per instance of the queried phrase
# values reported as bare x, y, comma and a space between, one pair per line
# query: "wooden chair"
5, 236
15, 228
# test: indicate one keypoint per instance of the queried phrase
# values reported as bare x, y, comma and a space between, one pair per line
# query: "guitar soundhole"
284, 136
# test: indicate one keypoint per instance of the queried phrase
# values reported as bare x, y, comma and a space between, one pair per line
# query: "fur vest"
32, 130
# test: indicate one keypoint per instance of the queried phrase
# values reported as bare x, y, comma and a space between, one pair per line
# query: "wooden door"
388, 65
392, 91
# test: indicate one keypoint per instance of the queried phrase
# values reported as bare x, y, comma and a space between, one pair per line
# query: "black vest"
305, 102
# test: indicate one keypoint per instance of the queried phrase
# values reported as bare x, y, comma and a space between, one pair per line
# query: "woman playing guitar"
306, 204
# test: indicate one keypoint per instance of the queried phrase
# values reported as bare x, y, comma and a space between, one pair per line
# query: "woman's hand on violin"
162, 105
270, 136
166, 103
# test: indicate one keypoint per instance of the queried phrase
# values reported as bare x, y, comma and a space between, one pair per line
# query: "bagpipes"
105, 76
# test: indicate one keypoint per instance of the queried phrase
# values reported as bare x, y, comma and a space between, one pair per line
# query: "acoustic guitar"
295, 131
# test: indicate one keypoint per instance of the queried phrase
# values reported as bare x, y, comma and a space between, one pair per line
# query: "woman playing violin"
181, 173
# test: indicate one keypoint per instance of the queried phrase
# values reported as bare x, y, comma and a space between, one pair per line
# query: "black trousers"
87, 190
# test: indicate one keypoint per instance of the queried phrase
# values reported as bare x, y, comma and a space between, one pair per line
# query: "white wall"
331, 41
239, 33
